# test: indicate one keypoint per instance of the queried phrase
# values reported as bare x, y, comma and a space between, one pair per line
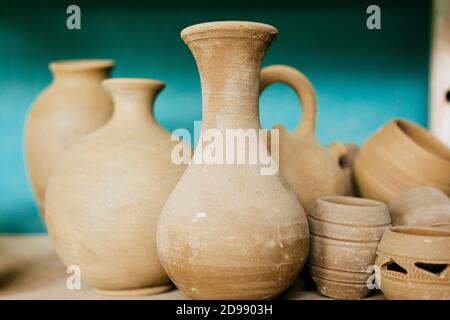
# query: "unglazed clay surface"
401, 156
310, 170
74, 105
105, 196
345, 233
421, 206
227, 231
413, 263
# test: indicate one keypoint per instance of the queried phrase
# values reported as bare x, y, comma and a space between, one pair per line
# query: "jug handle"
302, 87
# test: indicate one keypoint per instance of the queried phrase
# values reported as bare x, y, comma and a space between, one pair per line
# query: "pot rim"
229, 29
132, 83
422, 243
353, 211
434, 148
81, 64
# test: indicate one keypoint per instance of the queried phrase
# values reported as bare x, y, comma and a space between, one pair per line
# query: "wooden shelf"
30, 269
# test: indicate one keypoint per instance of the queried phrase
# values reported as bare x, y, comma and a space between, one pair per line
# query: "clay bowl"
413, 263
421, 206
401, 156
344, 236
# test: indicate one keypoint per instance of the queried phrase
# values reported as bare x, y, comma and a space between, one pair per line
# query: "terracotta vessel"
345, 233
413, 263
442, 226
421, 206
401, 156
74, 105
347, 164
228, 231
310, 170
106, 193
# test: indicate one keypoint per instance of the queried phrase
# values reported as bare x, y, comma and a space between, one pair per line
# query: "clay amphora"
345, 233
401, 156
228, 231
105, 195
413, 263
421, 206
310, 170
74, 105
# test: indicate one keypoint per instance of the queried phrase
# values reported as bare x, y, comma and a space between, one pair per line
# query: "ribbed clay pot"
345, 233
311, 170
228, 231
421, 206
401, 156
413, 263
106, 193
74, 105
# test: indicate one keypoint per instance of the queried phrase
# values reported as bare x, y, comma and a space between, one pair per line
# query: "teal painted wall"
362, 78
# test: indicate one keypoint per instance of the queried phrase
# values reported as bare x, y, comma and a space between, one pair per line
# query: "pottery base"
136, 292
341, 290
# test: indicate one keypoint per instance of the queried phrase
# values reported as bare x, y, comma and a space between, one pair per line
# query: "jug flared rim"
81, 64
132, 83
227, 29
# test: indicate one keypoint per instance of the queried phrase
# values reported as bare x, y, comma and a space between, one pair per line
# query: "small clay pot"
401, 156
413, 263
344, 236
421, 206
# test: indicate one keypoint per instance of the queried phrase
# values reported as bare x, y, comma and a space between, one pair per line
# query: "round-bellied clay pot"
345, 232
230, 231
310, 170
421, 206
401, 156
413, 263
105, 195
74, 105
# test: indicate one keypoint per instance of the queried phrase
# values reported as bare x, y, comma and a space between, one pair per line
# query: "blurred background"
362, 77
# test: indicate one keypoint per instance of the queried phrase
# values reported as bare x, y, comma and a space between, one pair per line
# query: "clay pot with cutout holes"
74, 105
401, 156
344, 236
105, 195
231, 230
310, 170
421, 206
413, 263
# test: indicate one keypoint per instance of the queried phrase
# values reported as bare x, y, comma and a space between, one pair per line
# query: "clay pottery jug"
228, 231
413, 263
344, 236
106, 193
347, 164
310, 170
74, 105
421, 206
401, 156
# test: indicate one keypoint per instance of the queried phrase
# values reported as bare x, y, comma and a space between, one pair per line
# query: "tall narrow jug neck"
229, 57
